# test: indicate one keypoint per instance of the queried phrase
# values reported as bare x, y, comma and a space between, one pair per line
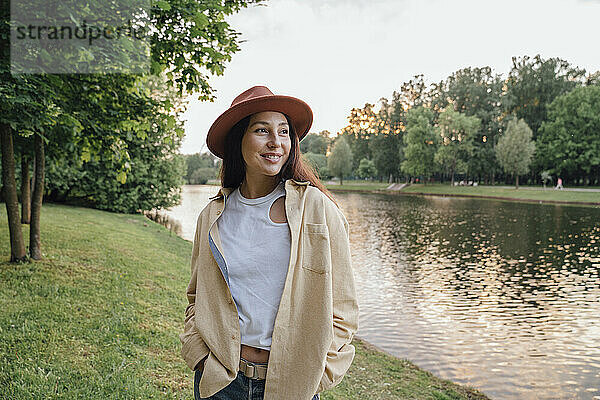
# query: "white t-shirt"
257, 255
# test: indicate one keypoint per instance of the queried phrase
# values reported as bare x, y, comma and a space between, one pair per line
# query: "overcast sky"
341, 54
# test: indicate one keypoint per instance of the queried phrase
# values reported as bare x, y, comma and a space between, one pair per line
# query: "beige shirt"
318, 311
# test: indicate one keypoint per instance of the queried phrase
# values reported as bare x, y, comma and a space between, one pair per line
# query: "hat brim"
299, 113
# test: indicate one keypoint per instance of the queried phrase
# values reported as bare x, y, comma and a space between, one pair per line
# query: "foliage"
93, 116
192, 38
362, 125
515, 148
200, 168
412, 94
532, 84
593, 79
385, 145
366, 169
546, 176
201, 175
318, 162
457, 133
339, 161
123, 159
569, 141
315, 143
475, 92
420, 142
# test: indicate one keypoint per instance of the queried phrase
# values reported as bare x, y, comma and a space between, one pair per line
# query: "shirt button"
218, 212
229, 301
233, 337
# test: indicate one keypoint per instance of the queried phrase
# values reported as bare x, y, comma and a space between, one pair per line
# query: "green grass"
357, 185
378, 375
521, 193
99, 318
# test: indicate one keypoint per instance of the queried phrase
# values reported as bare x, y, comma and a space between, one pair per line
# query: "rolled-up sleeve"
193, 348
345, 305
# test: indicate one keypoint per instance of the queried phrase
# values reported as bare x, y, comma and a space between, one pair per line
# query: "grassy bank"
99, 318
357, 186
524, 193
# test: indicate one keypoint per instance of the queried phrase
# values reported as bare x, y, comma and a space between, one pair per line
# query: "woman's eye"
261, 130
283, 132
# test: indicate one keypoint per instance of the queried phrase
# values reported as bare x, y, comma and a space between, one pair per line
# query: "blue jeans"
242, 388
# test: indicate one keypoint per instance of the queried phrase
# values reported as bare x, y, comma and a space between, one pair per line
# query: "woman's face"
266, 143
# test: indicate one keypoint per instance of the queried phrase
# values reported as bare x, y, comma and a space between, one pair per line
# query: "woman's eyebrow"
266, 123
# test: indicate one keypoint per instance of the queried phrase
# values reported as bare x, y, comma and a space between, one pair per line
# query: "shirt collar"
226, 191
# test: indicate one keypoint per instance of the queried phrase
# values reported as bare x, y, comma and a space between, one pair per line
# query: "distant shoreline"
472, 196
438, 190
446, 191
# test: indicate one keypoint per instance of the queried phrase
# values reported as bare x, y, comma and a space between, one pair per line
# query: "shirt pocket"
316, 254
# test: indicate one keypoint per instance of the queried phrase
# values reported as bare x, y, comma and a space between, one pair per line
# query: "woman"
272, 306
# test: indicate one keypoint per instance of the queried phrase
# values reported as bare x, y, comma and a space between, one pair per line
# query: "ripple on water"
500, 296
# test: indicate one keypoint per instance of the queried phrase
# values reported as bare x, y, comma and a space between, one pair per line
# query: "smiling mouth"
272, 158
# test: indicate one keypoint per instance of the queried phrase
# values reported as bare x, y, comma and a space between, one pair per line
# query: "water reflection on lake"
501, 296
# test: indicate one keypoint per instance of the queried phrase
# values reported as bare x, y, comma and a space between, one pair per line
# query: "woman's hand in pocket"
200, 365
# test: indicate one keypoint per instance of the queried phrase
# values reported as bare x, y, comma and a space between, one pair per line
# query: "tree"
387, 153
477, 92
569, 141
545, 175
366, 169
339, 161
144, 170
385, 145
318, 162
532, 84
315, 143
420, 141
388, 146
457, 133
515, 149
412, 94
593, 79
201, 176
196, 162
362, 125
187, 40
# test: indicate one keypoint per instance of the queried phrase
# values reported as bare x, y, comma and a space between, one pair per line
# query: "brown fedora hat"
254, 100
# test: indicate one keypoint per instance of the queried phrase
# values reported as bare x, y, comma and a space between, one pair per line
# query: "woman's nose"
274, 140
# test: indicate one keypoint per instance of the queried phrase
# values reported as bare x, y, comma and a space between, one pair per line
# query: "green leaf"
122, 177
163, 5
201, 20
170, 122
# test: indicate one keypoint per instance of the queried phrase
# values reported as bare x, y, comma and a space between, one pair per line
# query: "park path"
396, 186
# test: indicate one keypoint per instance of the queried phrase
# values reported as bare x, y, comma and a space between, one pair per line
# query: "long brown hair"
233, 168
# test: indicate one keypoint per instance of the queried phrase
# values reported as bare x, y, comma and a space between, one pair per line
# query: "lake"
501, 296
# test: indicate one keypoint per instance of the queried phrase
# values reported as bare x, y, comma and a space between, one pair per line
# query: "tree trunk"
17, 246
35, 243
25, 190
341, 180
517, 180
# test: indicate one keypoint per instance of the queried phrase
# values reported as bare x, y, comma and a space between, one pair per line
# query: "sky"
341, 54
